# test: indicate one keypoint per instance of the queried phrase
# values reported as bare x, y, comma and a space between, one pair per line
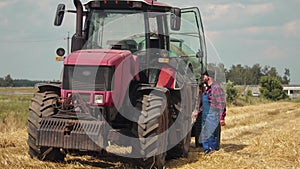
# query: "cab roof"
147, 2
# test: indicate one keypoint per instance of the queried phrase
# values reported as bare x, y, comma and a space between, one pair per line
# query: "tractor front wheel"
150, 130
41, 106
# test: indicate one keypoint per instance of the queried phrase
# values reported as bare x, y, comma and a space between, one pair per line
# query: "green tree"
256, 72
2, 82
231, 92
245, 75
286, 77
248, 74
235, 74
271, 88
9, 82
273, 72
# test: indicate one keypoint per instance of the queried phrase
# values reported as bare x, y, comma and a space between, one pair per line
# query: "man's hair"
209, 73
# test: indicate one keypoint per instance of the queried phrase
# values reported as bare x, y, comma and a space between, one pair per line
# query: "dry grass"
260, 136
19, 90
13, 112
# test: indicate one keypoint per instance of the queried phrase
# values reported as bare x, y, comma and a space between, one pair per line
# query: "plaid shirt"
216, 97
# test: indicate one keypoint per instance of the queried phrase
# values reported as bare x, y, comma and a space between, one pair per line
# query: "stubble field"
256, 136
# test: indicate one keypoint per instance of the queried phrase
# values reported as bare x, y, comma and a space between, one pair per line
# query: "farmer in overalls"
213, 113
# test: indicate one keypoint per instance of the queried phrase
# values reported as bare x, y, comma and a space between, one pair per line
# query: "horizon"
237, 32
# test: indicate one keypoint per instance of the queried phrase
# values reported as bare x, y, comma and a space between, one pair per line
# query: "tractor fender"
147, 89
166, 78
144, 89
55, 87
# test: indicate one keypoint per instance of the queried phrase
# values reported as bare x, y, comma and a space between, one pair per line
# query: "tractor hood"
104, 57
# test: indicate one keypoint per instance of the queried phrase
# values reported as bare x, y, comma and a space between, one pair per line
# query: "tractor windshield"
137, 30
108, 27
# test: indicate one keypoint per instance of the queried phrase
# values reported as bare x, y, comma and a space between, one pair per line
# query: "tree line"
8, 81
246, 75
267, 77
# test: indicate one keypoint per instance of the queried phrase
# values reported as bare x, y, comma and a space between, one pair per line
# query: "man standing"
213, 113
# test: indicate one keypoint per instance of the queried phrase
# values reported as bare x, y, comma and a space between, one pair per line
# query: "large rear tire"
187, 109
152, 122
197, 130
41, 106
183, 125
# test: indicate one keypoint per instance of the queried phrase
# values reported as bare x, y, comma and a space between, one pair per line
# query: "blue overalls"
210, 126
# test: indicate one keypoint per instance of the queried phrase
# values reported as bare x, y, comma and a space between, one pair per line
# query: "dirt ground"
260, 136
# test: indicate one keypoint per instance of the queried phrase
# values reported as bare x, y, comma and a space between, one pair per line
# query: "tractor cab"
139, 25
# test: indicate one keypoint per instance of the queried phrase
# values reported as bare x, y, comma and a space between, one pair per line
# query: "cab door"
193, 16
190, 40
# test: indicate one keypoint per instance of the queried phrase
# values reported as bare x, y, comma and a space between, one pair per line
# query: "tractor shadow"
233, 147
120, 162
196, 154
103, 161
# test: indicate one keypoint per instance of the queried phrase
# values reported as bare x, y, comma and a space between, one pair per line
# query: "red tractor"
131, 79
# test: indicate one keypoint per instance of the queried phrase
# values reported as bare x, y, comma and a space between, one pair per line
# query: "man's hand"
222, 122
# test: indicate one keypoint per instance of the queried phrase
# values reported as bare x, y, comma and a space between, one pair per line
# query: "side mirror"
60, 12
175, 19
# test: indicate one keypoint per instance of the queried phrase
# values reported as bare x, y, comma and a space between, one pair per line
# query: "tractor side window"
158, 30
180, 48
184, 42
153, 26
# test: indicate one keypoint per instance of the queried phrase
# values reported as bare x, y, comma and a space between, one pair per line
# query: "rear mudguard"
176, 76
166, 78
147, 89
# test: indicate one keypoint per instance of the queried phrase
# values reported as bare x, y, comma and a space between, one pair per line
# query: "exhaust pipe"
79, 17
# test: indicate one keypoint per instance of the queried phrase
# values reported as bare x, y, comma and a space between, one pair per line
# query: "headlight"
98, 99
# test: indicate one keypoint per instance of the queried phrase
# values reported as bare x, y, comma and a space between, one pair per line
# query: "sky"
243, 32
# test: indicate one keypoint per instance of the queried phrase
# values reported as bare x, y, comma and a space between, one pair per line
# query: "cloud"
292, 29
6, 3
288, 31
257, 32
251, 33
4, 20
259, 9
213, 35
236, 10
274, 52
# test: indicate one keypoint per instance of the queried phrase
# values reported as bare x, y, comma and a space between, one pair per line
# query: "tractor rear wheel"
41, 106
187, 118
183, 125
152, 122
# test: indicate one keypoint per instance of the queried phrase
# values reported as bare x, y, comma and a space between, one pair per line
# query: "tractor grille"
88, 78
71, 134
78, 85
